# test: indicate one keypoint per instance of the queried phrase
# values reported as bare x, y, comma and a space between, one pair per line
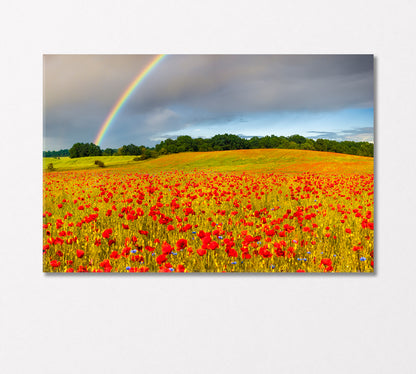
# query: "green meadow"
264, 160
81, 163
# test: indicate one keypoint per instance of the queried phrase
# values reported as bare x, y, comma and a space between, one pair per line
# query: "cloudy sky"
317, 96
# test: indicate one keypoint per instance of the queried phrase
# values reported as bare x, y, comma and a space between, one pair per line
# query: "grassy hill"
250, 160
66, 163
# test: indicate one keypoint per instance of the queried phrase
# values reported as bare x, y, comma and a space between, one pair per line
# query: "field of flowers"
119, 220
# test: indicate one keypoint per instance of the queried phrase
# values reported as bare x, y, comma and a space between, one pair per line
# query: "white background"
206, 323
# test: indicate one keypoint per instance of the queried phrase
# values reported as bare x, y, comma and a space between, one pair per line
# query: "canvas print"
208, 163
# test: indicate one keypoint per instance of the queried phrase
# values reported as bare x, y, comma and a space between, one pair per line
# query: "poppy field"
126, 220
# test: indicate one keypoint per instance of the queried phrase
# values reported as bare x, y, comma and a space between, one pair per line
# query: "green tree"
130, 150
185, 144
109, 152
321, 145
84, 150
308, 145
298, 139
254, 142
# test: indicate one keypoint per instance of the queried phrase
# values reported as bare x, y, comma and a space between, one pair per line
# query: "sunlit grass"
266, 160
82, 163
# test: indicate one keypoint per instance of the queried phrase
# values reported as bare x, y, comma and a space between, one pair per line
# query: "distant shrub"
137, 159
50, 167
148, 154
99, 163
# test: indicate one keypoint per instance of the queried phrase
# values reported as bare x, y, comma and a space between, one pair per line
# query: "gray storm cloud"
229, 84
80, 90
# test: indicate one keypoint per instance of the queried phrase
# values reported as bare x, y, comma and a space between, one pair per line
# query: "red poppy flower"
105, 264
201, 234
201, 251
180, 268
137, 258
55, 263
161, 259
166, 249
80, 253
181, 244
326, 262
115, 255
213, 245
163, 269
107, 233
82, 269
125, 252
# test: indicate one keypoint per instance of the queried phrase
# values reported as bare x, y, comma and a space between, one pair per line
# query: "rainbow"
123, 98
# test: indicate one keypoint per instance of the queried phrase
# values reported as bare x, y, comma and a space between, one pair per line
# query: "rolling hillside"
252, 160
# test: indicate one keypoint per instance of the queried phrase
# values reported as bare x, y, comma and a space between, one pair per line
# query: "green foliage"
298, 139
50, 167
321, 145
109, 152
232, 142
148, 153
130, 149
309, 145
228, 142
99, 163
84, 150
56, 154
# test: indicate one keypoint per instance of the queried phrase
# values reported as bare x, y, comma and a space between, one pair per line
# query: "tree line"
218, 143
56, 154
231, 142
